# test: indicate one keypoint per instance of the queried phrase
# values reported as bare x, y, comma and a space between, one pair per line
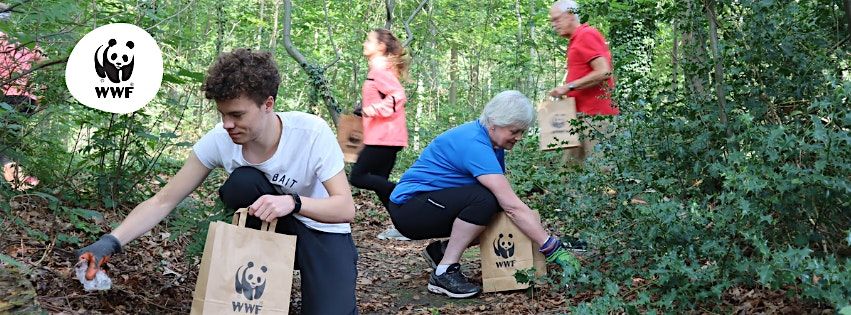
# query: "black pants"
328, 261
23, 104
372, 170
431, 214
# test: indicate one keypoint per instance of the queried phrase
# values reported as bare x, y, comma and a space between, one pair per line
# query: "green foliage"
193, 218
754, 194
767, 207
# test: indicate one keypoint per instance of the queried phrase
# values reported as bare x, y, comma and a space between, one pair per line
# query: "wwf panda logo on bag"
503, 245
250, 281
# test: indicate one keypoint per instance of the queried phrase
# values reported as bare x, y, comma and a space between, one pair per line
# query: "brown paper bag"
505, 250
244, 271
350, 137
554, 121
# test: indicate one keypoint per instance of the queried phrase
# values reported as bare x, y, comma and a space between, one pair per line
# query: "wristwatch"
297, 201
571, 87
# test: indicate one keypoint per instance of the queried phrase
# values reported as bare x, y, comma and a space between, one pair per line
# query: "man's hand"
559, 91
270, 207
97, 254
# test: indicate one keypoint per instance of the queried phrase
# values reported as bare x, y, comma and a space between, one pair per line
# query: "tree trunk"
847, 4
534, 74
518, 81
390, 5
220, 17
315, 73
418, 114
273, 40
719, 69
453, 75
674, 58
433, 67
259, 36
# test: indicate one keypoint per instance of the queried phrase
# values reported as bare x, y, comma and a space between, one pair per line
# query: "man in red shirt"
589, 69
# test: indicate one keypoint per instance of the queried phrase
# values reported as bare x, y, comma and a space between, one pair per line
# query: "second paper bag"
504, 251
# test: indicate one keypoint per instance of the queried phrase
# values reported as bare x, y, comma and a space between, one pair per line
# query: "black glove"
97, 254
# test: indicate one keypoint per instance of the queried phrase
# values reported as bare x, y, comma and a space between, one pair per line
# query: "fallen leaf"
637, 201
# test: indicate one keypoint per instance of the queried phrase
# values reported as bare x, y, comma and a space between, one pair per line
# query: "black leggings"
372, 169
22, 104
431, 214
328, 261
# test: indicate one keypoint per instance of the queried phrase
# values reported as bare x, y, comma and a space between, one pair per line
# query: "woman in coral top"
385, 132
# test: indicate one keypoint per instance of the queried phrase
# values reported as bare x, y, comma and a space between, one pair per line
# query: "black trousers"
431, 214
372, 170
23, 104
328, 261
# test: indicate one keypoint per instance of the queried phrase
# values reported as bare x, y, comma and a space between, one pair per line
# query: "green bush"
703, 199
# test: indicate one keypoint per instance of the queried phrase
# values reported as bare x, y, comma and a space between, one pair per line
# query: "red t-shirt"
585, 45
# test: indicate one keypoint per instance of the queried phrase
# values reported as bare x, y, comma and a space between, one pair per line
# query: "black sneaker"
452, 283
433, 253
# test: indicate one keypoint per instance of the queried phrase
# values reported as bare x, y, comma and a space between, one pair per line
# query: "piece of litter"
100, 282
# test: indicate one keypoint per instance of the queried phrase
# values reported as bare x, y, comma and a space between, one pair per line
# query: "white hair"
508, 108
564, 5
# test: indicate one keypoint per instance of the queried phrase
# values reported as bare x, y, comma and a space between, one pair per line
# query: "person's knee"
486, 198
241, 187
243, 177
482, 209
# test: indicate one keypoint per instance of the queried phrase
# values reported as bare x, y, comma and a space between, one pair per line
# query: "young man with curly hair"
284, 165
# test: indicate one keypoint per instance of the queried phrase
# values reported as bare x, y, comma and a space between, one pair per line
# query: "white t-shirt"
307, 155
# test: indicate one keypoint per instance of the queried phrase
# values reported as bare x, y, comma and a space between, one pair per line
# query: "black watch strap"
297, 201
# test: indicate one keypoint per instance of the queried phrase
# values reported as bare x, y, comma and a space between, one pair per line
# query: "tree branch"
408, 23
33, 69
390, 5
288, 44
316, 74
185, 6
331, 39
11, 8
840, 43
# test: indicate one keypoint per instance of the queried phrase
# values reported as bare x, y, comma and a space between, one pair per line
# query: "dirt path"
153, 275
393, 277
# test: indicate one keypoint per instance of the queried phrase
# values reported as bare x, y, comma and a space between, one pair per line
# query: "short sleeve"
327, 153
207, 151
589, 46
479, 159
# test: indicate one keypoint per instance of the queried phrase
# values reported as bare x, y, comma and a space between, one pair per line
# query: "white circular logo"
117, 68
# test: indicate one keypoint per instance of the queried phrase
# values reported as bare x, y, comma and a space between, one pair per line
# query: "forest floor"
154, 276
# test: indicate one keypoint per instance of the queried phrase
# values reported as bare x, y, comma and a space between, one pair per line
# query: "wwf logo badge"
250, 281
115, 61
116, 68
503, 246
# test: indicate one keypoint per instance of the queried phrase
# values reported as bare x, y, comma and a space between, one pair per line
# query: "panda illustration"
504, 246
251, 282
115, 62
558, 121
